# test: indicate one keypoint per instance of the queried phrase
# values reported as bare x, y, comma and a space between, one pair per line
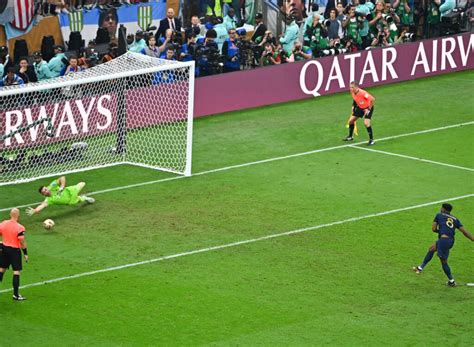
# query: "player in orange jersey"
13, 237
362, 107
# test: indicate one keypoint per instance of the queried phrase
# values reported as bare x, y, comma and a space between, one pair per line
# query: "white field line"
256, 162
239, 243
414, 158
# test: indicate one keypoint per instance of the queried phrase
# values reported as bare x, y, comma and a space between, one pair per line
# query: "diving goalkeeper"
58, 194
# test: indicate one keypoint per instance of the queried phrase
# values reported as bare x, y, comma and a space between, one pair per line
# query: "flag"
76, 21
24, 13
144, 17
6, 12
356, 133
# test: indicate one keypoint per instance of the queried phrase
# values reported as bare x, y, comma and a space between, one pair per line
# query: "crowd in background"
218, 43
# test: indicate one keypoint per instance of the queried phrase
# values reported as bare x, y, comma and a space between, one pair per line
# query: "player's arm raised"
466, 233
31, 211
62, 183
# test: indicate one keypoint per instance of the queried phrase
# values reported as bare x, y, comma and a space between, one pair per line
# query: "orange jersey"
362, 99
12, 232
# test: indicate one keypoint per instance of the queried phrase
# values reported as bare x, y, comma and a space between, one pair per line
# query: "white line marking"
414, 158
135, 185
238, 243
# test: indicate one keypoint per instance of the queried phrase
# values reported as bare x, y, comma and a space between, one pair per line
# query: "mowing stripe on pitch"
136, 185
414, 158
238, 243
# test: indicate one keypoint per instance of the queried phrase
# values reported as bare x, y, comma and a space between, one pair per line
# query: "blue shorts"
443, 246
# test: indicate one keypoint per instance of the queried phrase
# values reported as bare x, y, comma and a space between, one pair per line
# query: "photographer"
433, 19
269, 56
352, 27
315, 37
377, 18
362, 11
206, 55
170, 39
382, 39
231, 53
299, 53
405, 14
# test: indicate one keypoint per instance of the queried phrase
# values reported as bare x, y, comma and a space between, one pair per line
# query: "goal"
135, 110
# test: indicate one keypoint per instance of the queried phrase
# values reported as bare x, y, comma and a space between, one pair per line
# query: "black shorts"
10, 256
359, 112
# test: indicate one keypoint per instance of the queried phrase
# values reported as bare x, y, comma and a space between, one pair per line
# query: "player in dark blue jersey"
445, 225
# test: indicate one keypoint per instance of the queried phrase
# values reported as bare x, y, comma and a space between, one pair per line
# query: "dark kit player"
444, 224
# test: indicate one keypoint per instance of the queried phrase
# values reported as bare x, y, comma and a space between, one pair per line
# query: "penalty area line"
239, 243
141, 184
414, 158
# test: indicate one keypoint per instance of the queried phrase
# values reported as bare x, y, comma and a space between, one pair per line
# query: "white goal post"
135, 110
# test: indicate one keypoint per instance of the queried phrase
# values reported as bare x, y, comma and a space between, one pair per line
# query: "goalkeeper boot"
348, 138
451, 283
89, 200
371, 142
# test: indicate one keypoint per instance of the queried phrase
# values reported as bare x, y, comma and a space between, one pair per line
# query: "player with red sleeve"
362, 107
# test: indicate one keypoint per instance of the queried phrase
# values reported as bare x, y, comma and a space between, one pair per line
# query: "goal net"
133, 110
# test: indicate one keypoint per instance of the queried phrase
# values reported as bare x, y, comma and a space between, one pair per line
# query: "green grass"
346, 284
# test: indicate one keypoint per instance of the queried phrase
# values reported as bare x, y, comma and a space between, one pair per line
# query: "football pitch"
284, 235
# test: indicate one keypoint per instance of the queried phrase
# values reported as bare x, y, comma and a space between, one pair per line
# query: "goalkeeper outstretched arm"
31, 211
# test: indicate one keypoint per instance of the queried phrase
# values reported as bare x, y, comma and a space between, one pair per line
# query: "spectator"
151, 50
221, 32
26, 71
139, 43
230, 21
260, 28
268, 38
382, 39
269, 56
331, 5
3, 63
294, 10
289, 38
170, 22
390, 11
41, 67
108, 19
57, 64
341, 16
111, 54
199, 28
73, 66
170, 54
231, 53
334, 27
11, 79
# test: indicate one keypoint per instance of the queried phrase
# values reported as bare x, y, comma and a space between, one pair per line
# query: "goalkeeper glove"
30, 211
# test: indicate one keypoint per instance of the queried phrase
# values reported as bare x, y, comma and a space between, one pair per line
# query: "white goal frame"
73, 80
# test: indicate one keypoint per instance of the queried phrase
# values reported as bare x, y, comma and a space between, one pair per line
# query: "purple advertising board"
333, 74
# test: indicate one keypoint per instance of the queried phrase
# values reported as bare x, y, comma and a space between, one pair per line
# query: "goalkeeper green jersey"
69, 196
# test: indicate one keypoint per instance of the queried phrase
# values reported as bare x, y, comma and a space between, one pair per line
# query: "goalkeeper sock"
371, 135
16, 284
351, 129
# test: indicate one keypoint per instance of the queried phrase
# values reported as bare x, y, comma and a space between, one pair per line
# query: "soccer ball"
48, 224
